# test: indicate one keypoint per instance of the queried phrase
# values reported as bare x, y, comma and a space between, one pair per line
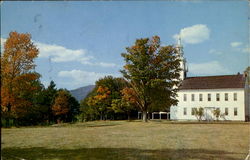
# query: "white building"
229, 93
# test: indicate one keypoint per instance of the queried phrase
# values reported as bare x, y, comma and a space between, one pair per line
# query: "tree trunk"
8, 115
128, 116
144, 116
7, 122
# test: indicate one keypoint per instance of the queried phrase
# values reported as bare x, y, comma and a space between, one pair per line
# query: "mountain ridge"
81, 92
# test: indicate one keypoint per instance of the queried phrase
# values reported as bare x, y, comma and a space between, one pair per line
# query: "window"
193, 110
235, 96
226, 96
217, 97
185, 111
226, 111
200, 97
185, 97
235, 112
192, 97
209, 97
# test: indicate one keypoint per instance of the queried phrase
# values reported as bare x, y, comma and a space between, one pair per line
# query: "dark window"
209, 97
200, 97
185, 111
193, 97
226, 96
217, 97
185, 97
226, 111
235, 96
235, 112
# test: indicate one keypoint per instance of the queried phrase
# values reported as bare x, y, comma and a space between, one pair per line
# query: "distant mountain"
82, 92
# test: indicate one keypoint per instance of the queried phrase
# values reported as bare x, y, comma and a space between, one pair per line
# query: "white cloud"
207, 68
246, 50
214, 51
194, 34
61, 54
83, 77
235, 44
238, 47
101, 64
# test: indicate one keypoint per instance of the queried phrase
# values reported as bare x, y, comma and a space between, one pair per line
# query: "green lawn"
122, 140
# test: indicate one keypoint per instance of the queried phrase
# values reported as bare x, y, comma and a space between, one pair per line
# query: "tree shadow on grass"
117, 154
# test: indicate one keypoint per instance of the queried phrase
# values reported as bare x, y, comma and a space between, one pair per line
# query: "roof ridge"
216, 76
213, 82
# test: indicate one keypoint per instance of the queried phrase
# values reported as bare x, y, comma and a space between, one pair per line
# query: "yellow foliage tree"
100, 100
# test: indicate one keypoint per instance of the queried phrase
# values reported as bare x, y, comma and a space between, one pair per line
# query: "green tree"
153, 72
48, 99
88, 113
217, 113
74, 109
122, 106
199, 113
126, 103
33, 113
99, 101
115, 85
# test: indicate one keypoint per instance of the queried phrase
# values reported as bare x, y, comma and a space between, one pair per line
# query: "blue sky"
81, 41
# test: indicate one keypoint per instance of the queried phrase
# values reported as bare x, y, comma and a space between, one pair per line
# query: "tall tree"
74, 108
49, 97
101, 101
17, 64
65, 106
126, 103
61, 106
34, 113
88, 111
153, 73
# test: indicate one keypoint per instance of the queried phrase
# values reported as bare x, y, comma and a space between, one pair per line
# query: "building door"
208, 113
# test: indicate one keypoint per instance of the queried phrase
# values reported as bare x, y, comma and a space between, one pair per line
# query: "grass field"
122, 140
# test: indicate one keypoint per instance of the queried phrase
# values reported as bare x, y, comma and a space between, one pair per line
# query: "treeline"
43, 106
150, 82
24, 100
110, 99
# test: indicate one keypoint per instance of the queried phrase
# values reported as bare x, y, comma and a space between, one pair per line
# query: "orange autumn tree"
17, 75
100, 100
127, 103
61, 106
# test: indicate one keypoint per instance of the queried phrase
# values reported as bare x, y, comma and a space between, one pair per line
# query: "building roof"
213, 82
